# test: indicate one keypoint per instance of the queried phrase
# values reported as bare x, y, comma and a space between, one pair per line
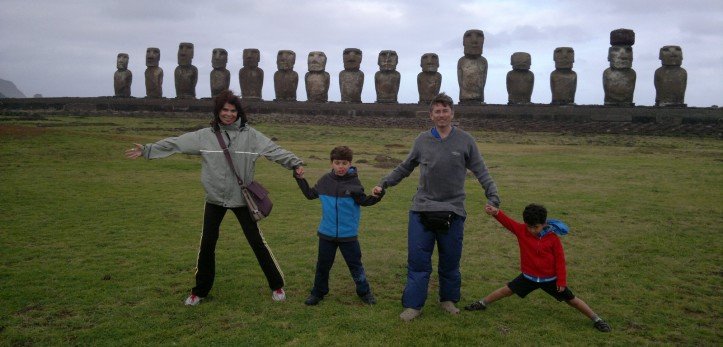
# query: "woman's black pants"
206, 263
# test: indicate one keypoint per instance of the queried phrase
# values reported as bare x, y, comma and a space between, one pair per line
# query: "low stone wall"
534, 117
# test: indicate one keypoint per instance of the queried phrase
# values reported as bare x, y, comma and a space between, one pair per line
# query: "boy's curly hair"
534, 214
341, 153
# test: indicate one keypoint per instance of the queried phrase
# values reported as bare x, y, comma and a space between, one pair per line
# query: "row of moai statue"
286, 80
618, 80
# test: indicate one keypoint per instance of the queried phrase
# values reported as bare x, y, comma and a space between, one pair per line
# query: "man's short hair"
341, 153
443, 99
534, 214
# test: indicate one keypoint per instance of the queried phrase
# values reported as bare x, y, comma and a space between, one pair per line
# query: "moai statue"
670, 79
386, 80
472, 69
351, 79
220, 76
520, 80
429, 81
123, 77
563, 81
154, 73
251, 76
619, 78
286, 80
186, 75
317, 79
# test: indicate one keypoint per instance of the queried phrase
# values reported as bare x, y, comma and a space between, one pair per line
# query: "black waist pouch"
437, 221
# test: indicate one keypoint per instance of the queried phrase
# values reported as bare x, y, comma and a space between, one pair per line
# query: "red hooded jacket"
539, 256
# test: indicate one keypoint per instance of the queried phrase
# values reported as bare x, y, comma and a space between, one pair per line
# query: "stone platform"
643, 120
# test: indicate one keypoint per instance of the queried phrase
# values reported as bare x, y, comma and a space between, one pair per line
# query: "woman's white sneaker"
278, 295
193, 300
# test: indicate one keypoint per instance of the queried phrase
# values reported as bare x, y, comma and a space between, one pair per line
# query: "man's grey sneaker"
312, 300
449, 307
476, 306
193, 300
278, 295
409, 313
368, 298
601, 325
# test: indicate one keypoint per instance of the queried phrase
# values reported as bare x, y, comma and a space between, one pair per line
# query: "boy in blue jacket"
341, 194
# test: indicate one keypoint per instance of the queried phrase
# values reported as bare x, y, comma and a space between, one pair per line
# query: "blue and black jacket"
340, 198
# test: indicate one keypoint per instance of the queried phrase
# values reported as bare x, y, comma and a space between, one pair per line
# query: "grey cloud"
39, 37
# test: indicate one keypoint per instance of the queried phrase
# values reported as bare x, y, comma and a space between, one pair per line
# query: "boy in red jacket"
542, 262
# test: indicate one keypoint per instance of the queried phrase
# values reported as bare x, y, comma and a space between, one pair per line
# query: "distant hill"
9, 90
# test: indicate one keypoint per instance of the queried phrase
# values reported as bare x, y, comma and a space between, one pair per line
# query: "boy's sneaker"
603, 326
278, 295
449, 307
476, 306
312, 300
409, 313
368, 298
193, 300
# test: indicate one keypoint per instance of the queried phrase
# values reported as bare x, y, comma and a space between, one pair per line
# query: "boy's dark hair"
443, 99
534, 214
341, 153
223, 98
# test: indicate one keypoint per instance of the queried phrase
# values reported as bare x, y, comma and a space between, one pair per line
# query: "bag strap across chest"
227, 154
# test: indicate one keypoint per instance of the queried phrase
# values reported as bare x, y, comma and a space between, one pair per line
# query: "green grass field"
100, 250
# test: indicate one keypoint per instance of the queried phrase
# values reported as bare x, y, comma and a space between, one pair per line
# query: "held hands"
378, 191
135, 152
299, 172
491, 210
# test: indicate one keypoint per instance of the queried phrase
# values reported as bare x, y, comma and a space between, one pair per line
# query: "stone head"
564, 57
521, 60
317, 61
473, 40
219, 58
285, 59
620, 57
122, 61
671, 55
352, 58
153, 56
387, 60
251, 57
429, 62
185, 53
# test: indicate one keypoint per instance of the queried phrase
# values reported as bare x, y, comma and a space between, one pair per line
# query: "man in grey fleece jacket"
443, 154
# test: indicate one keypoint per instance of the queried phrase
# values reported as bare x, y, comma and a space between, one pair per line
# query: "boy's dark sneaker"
368, 298
476, 306
601, 325
312, 300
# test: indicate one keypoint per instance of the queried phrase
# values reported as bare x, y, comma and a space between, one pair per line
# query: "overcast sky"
69, 48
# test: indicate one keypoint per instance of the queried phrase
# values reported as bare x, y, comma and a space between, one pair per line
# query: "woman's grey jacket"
245, 144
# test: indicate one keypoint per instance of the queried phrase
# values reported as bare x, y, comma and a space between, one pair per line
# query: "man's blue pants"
420, 245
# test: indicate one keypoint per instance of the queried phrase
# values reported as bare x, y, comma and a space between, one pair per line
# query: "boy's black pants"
206, 264
351, 251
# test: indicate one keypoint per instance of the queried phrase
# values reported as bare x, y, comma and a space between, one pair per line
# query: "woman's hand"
299, 171
135, 152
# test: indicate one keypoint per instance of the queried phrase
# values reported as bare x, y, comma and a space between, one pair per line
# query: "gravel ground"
696, 129
512, 125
